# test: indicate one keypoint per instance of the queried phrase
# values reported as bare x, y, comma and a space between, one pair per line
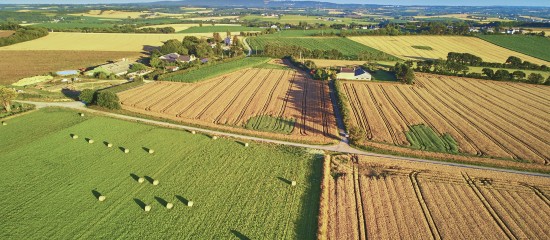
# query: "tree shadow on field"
96, 194
72, 94
161, 201
182, 199
140, 203
239, 235
285, 180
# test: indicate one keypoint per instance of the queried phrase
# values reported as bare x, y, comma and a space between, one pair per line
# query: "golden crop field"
128, 42
485, 118
401, 46
231, 100
23, 64
375, 198
111, 14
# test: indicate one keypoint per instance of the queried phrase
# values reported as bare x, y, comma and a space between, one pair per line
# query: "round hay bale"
193, 132
109, 145
90, 141
74, 136
81, 114
245, 144
4, 123
126, 150
147, 208
293, 183
214, 137
169, 205
101, 198
156, 182
151, 151
190, 203
141, 180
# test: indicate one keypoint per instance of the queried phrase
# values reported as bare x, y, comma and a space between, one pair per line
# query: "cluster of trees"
456, 66
120, 29
511, 62
21, 34
6, 96
282, 50
404, 73
106, 99
315, 72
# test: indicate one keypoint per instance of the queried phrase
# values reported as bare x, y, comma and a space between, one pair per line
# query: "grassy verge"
422, 47
16, 108
211, 71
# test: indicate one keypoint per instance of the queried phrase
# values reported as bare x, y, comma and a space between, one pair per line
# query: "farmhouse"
118, 68
353, 74
175, 57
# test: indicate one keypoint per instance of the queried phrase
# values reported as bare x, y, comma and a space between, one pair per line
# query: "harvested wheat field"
401, 47
374, 198
229, 101
23, 64
455, 115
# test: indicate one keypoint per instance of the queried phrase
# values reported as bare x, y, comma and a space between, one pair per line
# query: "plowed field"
486, 118
371, 198
229, 101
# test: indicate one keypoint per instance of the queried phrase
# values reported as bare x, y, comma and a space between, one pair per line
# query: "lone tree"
6, 96
108, 99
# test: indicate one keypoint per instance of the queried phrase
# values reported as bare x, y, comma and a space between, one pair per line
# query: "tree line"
278, 50
21, 34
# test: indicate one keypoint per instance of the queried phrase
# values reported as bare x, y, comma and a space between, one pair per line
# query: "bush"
87, 96
108, 99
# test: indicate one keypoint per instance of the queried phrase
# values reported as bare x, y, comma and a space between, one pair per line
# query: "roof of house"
346, 70
184, 58
360, 71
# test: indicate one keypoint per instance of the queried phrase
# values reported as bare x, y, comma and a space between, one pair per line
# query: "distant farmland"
229, 101
377, 198
345, 46
483, 118
538, 47
220, 29
237, 191
402, 47
23, 64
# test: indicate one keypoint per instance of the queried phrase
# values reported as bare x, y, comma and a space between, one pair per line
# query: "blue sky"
393, 2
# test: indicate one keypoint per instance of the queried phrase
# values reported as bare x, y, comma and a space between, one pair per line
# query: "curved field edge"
402, 151
236, 190
508, 42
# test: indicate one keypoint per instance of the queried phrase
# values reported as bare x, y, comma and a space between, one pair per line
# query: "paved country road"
342, 147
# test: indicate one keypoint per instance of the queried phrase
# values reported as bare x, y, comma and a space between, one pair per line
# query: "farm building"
354, 74
172, 68
67, 72
118, 68
175, 57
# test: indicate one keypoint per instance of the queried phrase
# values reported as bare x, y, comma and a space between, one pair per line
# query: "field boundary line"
361, 218
427, 213
502, 225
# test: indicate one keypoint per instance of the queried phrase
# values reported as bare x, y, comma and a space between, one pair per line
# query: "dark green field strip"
534, 46
214, 70
236, 190
425, 138
220, 29
271, 124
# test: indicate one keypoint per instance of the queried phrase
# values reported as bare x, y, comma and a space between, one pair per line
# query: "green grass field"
219, 29
425, 138
347, 47
306, 33
538, 47
237, 191
271, 124
211, 71
295, 19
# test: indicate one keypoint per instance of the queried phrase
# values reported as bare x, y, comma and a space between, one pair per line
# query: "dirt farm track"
229, 101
